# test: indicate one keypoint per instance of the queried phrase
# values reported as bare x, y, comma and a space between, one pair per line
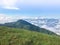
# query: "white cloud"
51, 29
5, 18
11, 18
11, 8
8, 4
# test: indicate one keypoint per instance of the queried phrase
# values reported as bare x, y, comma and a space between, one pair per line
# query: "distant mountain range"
22, 24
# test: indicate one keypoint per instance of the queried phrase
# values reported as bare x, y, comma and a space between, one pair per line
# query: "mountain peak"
26, 25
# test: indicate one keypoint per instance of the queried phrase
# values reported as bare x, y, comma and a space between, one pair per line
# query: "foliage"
14, 36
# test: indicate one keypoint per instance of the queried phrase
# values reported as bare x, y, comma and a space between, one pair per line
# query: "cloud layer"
11, 18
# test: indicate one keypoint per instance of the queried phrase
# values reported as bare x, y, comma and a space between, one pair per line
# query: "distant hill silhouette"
22, 24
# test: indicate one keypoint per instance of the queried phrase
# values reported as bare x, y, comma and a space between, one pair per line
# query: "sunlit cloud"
8, 4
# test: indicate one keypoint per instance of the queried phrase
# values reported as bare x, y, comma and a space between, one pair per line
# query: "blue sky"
29, 8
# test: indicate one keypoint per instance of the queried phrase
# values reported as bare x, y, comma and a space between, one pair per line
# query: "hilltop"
14, 36
22, 24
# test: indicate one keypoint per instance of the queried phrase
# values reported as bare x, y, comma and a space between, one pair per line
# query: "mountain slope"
51, 24
13, 36
26, 25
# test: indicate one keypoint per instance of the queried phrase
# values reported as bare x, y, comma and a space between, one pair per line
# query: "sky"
11, 10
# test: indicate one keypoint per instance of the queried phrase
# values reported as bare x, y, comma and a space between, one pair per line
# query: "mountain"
22, 24
14, 36
51, 24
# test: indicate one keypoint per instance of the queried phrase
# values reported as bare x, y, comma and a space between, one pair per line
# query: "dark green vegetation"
22, 24
13, 36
